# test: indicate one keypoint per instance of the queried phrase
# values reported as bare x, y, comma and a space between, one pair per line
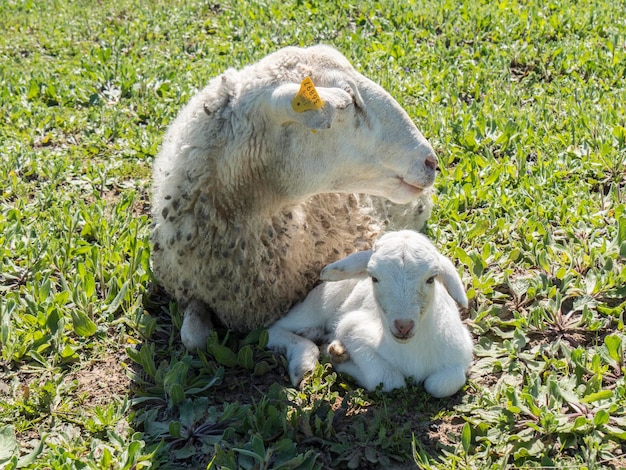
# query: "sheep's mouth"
415, 188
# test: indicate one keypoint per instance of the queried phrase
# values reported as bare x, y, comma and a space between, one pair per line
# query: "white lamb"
391, 315
253, 195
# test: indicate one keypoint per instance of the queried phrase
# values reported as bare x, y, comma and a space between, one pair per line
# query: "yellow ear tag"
307, 97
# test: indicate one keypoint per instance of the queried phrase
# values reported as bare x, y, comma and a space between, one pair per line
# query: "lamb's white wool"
390, 315
252, 198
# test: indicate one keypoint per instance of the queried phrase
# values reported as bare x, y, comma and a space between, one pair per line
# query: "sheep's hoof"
196, 327
337, 352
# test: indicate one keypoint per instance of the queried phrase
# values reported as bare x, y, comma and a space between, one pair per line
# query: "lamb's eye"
374, 279
430, 280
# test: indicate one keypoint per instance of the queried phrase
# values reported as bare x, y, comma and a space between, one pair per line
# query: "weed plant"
524, 103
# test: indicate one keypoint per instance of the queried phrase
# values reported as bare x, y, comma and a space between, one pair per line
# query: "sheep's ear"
315, 110
451, 280
351, 266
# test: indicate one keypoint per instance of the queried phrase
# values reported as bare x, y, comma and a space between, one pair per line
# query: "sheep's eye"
430, 280
374, 279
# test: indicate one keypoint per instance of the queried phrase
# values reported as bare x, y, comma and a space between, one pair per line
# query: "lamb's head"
358, 140
404, 268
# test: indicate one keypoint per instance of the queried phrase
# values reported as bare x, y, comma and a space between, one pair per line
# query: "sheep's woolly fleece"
241, 222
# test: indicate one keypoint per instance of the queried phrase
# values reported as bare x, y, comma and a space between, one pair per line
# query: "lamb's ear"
351, 266
315, 111
451, 280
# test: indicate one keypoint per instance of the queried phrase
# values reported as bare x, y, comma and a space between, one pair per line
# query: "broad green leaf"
579, 422
174, 429
147, 360
38, 357
44, 290
174, 380
188, 413
529, 449
216, 379
60, 298
614, 345
463, 257
614, 431
68, 352
618, 131
621, 230
514, 254
223, 355
107, 458
33, 89
466, 437
257, 445
82, 324
52, 322
601, 395
261, 368
245, 357
601, 417
176, 393
8, 443
89, 284
252, 337
119, 298
479, 229
187, 451
263, 338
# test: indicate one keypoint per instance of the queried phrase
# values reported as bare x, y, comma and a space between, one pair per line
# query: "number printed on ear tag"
307, 97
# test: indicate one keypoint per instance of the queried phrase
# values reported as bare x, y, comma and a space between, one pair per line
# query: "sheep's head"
404, 269
359, 140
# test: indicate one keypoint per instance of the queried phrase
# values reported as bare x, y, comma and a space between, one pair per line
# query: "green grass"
525, 104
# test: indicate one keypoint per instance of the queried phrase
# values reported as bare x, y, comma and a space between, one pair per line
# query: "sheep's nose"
431, 162
404, 327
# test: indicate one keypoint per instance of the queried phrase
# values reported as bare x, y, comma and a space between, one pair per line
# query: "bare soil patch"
101, 380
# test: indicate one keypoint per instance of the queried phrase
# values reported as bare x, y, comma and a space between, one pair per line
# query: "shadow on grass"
234, 407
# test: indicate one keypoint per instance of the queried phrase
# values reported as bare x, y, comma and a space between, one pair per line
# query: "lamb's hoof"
447, 382
302, 367
196, 327
300, 379
337, 352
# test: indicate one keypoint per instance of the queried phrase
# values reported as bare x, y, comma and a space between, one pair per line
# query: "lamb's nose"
404, 327
431, 162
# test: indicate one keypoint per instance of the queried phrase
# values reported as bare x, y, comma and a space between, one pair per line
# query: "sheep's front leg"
196, 327
445, 382
302, 354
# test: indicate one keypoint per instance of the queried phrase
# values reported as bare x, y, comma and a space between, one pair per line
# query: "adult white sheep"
391, 315
253, 195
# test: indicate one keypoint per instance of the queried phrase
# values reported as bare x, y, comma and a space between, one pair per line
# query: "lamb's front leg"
446, 382
196, 326
302, 354
292, 335
366, 367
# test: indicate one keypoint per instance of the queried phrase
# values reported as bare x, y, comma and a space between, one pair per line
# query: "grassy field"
525, 104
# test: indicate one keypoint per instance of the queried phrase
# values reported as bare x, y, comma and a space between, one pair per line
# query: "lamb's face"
407, 273
403, 273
